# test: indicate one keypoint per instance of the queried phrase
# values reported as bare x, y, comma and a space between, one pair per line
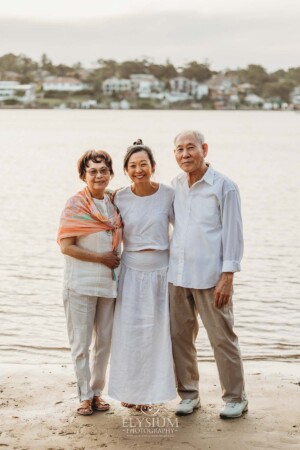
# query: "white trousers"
89, 323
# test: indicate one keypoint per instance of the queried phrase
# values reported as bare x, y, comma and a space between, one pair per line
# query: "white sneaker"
232, 410
187, 406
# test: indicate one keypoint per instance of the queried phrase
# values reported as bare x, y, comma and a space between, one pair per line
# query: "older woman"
89, 236
141, 369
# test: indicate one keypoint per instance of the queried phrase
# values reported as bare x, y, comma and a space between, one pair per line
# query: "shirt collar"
208, 177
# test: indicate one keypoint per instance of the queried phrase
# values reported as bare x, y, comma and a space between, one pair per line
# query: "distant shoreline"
21, 107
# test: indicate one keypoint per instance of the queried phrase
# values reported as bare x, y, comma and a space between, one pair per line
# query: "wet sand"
38, 402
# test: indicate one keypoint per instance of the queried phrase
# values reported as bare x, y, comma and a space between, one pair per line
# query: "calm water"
38, 155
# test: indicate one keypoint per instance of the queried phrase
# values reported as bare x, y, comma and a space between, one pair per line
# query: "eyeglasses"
93, 172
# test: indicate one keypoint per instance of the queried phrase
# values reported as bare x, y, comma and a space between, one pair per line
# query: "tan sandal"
99, 404
85, 408
128, 405
142, 407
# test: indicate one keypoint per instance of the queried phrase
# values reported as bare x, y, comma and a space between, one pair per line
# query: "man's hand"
223, 290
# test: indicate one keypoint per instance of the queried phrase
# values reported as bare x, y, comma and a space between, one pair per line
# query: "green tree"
293, 76
9, 62
128, 68
46, 63
18, 63
197, 71
106, 69
27, 67
255, 75
61, 70
279, 75
163, 72
277, 90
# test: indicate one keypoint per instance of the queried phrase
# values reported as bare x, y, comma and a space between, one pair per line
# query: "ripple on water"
267, 291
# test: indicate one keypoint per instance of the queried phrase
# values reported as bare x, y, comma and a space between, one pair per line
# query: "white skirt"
141, 367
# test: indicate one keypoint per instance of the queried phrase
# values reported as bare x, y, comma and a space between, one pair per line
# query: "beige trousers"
185, 305
89, 322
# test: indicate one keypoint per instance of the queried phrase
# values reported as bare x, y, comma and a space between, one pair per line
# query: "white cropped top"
146, 219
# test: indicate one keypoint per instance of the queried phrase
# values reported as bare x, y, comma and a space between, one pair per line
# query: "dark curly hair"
96, 156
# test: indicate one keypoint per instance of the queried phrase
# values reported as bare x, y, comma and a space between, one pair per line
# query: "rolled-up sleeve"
232, 232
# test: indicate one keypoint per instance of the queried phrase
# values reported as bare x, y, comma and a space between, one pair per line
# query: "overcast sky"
229, 34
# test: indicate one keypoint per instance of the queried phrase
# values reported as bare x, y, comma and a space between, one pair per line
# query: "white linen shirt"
208, 237
90, 278
145, 219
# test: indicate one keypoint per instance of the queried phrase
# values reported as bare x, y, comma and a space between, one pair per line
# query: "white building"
295, 96
24, 93
88, 104
190, 87
114, 85
64, 84
220, 83
180, 84
234, 99
200, 90
143, 84
175, 97
267, 106
254, 100
245, 88
123, 104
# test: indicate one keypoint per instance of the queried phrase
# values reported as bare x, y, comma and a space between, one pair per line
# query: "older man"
206, 250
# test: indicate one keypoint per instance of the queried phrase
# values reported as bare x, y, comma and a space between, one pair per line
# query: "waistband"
146, 261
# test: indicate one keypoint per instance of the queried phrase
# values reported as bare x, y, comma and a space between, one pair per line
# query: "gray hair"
197, 135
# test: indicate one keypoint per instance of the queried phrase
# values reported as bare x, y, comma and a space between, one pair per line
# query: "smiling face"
97, 176
139, 167
190, 154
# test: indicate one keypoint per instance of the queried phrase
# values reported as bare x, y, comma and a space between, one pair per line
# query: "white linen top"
208, 237
89, 278
145, 219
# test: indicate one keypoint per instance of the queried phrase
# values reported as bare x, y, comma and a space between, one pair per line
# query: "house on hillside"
224, 83
295, 97
83, 74
115, 85
64, 84
181, 84
144, 84
254, 100
245, 88
200, 90
13, 90
220, 83
9, 75
223, 91
189, 87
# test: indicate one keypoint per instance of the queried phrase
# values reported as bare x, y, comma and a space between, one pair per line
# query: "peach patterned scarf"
80, 217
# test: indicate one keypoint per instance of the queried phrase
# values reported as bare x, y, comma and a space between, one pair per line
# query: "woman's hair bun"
138, 142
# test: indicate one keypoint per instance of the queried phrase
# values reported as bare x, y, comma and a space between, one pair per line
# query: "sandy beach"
38, 403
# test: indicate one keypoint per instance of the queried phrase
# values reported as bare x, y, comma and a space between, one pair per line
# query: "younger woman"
141, 369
